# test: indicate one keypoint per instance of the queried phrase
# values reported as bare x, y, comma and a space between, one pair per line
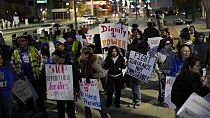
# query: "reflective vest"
32, 54
75, 48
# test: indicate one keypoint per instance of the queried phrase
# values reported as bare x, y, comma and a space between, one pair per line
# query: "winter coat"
114, 68
184, 86
203, 53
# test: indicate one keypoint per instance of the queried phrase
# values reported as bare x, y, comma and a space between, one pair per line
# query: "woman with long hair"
114, 63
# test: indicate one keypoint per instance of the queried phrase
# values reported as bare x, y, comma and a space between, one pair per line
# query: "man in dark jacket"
151, 31
203, 50
165, 34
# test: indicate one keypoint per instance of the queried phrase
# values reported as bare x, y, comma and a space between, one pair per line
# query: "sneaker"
138, 103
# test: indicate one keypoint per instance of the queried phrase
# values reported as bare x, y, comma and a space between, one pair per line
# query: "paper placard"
195, 107
112, 34
90, 94
59, 81
140, 66
22, 90
168, 87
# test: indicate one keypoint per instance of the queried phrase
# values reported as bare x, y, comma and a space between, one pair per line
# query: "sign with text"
113, 35
59, 81
22, 90
89, 38
90, 94
168, 87
195, 107
140, 66
154, 43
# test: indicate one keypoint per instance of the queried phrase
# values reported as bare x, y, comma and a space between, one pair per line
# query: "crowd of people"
27, 57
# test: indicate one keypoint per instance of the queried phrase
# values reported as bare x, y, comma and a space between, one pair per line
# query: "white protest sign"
89, 38
140, 66
113, 35
207, 97
79, 37
195, 107
22, 90
154, 43
59, 81
90, 94
168, 87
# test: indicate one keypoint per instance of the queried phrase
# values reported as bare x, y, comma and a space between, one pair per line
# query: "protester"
85, 29
203, 50
165, 59
114, 63
5, 50
91, 70
139, 45
26, 62
165, 34
6, 84
192, 31
72, 30
106, 20
184, 53
151, 31
187, 82
58, 58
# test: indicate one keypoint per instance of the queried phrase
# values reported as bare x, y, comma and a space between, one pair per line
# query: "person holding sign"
58, 58
91, 70
140, 45
114, 63
6, 84
187, 82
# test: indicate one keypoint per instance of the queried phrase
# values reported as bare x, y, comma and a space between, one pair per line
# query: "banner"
89, 38
90, 94
169, 83
113, 35
140, 66
22, 90
59, 81
195, 107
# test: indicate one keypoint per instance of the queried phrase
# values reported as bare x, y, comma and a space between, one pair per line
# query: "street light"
68, 10
75, 15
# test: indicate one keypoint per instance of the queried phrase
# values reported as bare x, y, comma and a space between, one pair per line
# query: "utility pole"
75, 15
136, 10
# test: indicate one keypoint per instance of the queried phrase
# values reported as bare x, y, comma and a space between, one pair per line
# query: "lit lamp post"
75, 15
68, 10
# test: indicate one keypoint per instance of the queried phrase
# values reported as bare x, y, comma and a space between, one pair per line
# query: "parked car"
93, 20
178, 22
48, 26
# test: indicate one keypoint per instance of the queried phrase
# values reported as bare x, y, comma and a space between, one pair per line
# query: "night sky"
162, 3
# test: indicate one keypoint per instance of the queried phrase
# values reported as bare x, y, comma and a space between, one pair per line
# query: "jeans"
103, 82
103, 112
6, 106
136, 92
70, 109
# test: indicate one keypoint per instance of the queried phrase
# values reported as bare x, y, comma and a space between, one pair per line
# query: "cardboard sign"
59, 81
195, 107
163, 81
140, 66
89, 38
113, 35
154, 43
22, 90
90, 94
168, 87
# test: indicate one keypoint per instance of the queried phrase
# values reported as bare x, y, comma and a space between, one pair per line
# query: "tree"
189, 6
82, 8
206, 5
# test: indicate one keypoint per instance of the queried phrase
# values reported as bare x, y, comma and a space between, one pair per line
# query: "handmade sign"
22, 90
59, 81
90, 94
195, 107
113, 35
140, 66
168, 87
